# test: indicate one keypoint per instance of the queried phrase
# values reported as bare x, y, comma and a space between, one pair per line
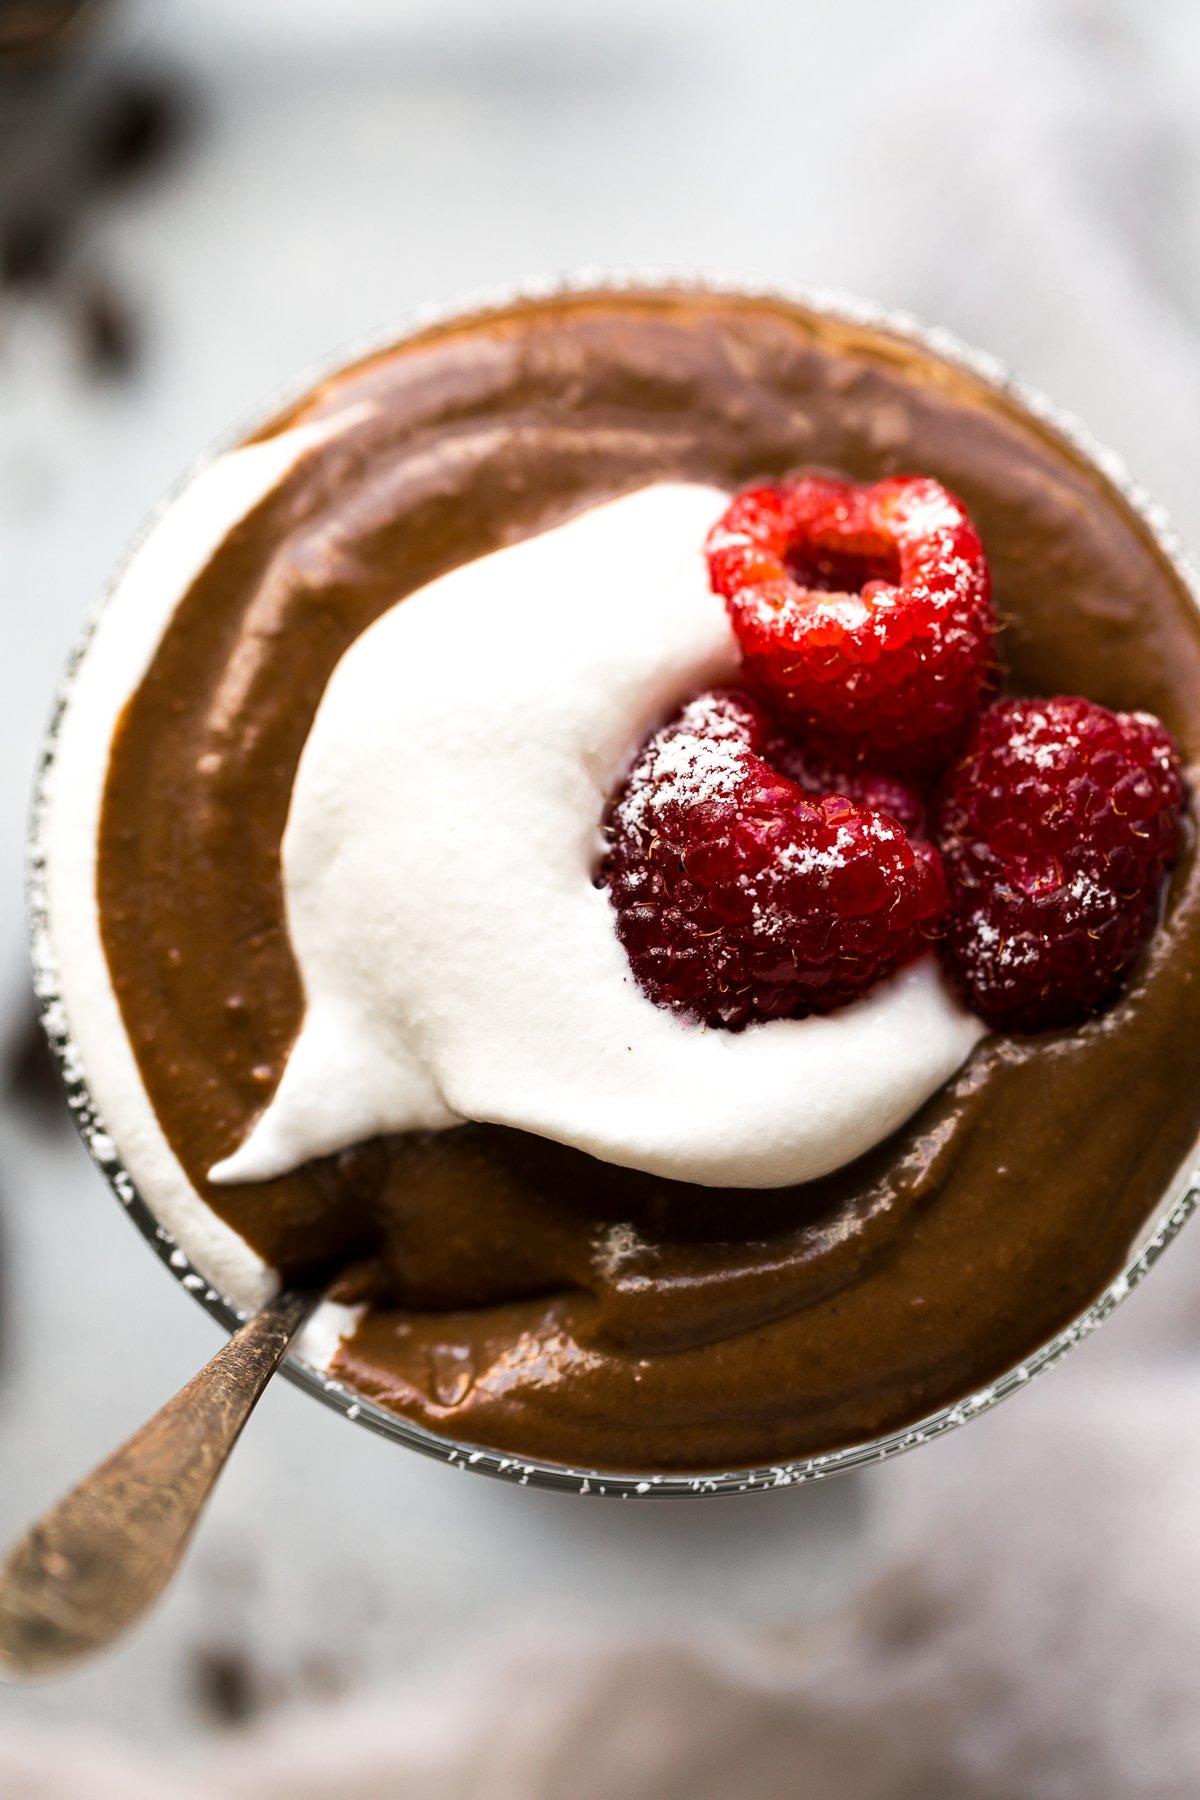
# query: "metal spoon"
95, 1562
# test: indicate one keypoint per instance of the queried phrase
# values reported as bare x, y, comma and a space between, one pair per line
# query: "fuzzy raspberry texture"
1056, 830
863, 613
740, 896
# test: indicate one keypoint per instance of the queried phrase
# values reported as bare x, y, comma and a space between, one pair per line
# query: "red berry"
863, 613
1056, 830
739, 896
820, 773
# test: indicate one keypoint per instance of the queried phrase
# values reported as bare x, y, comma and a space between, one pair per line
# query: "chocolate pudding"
520, 1294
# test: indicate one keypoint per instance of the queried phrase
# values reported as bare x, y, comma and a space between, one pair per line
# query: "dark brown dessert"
524, 1296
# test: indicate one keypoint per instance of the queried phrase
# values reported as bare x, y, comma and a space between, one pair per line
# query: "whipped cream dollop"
457, 959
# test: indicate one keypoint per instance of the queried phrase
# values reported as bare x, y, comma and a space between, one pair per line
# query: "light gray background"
1023, 172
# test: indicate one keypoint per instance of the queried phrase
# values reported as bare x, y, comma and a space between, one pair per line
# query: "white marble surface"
1024, 171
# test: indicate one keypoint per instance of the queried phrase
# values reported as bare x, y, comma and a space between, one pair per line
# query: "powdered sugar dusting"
86, 1093
458, 959
743, 893
1057, 829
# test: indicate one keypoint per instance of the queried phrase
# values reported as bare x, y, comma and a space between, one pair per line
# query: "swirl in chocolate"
523, 1294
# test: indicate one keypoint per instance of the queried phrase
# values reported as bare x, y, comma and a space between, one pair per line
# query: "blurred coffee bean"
226, 1688
32, 27
31, 1083
33, 246
134, 127
64, 160
107, 327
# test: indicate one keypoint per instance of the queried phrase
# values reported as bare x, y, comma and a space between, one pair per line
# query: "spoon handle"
92, 1565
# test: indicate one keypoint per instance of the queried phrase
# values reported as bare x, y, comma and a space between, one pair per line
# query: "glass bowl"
1178, 1204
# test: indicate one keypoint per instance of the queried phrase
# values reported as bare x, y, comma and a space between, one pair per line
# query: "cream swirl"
458, 961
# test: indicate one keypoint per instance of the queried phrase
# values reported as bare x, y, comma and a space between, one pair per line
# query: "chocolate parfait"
331, 932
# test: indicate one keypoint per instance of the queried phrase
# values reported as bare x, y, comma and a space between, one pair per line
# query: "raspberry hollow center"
836, 570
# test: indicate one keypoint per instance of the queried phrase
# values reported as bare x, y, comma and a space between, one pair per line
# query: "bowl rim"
1182, 1196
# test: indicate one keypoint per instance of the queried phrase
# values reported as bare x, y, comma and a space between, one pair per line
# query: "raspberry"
1056, 830
863, 613
820, 773
739, 896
